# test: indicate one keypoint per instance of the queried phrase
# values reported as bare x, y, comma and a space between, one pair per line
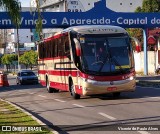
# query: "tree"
13, 7
147, 6
29, 59
39, 19
137, 33
7, 59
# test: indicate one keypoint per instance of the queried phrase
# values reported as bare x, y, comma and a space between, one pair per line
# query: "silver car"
26, 77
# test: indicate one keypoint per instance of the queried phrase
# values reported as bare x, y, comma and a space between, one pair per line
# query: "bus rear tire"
74, 95
55, 90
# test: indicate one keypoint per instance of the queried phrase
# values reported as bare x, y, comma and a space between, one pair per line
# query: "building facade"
123, 5
64, 6
9, 38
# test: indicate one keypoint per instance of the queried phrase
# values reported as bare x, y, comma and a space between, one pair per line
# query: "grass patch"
10, 116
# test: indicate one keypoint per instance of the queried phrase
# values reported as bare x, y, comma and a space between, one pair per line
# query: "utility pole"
17, 28
18, 48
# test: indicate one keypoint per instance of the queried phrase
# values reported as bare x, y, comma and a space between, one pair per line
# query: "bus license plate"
111, 88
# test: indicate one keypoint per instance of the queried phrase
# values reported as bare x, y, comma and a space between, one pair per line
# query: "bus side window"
50, 49
46, 50
66, 47
60, 47
39, 50
53, 48
43, 50
56, 48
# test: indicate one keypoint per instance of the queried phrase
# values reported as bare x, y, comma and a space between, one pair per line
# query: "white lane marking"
59, 100
41, 96
78, 105
143, 132
21, 91
147, 97
153, 97
32, 93
107, 116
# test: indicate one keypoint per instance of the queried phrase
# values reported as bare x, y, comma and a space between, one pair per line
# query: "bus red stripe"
45, 59
59, 73
108, 78
62, 86
98, 78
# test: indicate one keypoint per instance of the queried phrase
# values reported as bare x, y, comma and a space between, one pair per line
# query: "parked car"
26, 76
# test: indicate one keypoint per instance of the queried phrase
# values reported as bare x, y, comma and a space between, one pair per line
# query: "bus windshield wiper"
117, 63
110, 59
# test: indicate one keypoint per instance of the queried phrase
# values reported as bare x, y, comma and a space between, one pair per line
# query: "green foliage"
29, 58
137, 33
138, 9
147, 6
13, 7
150, 6
0, 59
7, 59
39, 21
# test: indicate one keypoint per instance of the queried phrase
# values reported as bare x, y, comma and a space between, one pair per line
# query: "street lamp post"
17, 26
18, 48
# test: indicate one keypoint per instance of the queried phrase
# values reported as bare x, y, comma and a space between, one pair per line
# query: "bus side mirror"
137, 44
78, 47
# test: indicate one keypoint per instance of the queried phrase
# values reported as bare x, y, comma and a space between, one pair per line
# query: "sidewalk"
151, 81
16, 120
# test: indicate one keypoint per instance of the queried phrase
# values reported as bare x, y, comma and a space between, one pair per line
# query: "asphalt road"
89, 114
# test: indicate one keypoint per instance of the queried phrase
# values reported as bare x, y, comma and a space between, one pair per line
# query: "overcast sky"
25, 3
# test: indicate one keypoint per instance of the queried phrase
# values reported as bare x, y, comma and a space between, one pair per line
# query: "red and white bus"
87, 60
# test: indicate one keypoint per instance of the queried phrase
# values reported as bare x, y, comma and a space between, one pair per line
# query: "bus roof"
90, 29
96, 29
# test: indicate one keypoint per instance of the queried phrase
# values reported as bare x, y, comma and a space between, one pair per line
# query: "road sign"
99, 15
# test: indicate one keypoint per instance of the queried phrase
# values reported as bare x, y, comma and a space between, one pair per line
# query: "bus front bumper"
90, 88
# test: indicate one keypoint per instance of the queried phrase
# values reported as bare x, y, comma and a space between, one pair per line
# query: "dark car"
26, 77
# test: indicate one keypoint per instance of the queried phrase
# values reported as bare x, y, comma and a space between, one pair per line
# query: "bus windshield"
105, 53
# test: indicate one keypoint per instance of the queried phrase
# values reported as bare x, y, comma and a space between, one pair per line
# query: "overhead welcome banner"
100, 15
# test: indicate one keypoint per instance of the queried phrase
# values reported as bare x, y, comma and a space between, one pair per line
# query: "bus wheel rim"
72, 90
47, 85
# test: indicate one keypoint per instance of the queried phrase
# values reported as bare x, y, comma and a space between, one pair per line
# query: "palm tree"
13, 7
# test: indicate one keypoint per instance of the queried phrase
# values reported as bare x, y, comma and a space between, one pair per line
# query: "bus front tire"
55, 90
74, 95
49, 89
117, 94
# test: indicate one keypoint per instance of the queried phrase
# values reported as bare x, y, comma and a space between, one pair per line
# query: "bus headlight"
97, 83
88, 80
84, 79
131, 78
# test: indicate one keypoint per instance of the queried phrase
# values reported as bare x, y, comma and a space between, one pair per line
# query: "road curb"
148, 83
33, 117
